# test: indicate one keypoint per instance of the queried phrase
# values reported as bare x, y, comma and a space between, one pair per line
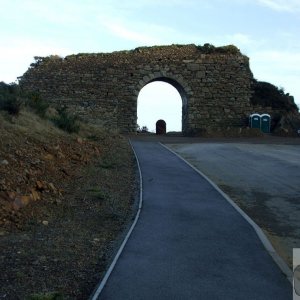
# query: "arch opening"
161, 98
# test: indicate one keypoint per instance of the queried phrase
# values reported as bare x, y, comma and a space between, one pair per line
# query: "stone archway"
178, 83
159, 100
214, 84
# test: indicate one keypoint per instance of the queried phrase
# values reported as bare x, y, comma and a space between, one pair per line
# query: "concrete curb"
263, 238
101, 285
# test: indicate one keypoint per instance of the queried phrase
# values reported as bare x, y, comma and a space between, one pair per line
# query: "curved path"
189, 242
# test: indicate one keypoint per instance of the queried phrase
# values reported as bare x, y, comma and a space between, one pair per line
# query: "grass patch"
46, 296
107, 164
37, 104
66, 121
98, 193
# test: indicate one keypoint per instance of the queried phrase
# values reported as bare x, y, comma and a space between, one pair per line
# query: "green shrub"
12, 105
209, 49
98, 194
230, 49
38, 60
65, 121
46, 296
10, 98
37, 104
267, 94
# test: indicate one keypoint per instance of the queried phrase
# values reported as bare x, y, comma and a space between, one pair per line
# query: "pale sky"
267, 31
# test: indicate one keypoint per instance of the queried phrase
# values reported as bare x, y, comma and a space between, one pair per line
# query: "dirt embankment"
64, 199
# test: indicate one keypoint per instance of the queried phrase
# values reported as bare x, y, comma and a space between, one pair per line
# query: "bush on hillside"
266, 94
40, 59
209, 49
66, 121
10, 98
37, 104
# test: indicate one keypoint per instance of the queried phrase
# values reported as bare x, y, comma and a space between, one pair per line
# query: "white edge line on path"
265, 241
101, 285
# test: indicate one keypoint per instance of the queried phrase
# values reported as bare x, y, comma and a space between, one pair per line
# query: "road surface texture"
189, 242
263, 179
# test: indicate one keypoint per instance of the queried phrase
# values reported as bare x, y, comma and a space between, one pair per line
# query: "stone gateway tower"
214, 84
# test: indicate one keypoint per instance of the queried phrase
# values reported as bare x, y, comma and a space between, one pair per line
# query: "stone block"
193, 67
200, 74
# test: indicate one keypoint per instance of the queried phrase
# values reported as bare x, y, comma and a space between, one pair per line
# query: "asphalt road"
189, 243
264, 179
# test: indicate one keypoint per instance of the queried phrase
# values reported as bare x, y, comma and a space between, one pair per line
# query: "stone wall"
215, 86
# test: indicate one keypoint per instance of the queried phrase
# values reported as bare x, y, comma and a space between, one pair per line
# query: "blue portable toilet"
265, 123
255, 121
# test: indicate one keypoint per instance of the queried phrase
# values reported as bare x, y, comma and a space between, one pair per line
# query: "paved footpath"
189, 242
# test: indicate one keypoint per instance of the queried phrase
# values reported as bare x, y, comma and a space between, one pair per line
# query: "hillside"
64, 199
267, 98
268, 95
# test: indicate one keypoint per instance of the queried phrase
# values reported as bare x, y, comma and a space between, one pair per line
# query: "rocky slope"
64, 199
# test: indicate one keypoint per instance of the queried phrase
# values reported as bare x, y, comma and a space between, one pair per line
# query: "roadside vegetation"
67, 190
12, 100
285, 116
269, 95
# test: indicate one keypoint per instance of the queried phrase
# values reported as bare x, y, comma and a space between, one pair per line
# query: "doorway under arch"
160, 100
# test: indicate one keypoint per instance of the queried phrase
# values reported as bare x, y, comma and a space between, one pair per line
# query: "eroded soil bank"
64, 199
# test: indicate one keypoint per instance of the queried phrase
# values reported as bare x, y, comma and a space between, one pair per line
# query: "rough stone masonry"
214, 84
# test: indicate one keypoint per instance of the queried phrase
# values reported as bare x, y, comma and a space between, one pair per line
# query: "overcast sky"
265, 30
